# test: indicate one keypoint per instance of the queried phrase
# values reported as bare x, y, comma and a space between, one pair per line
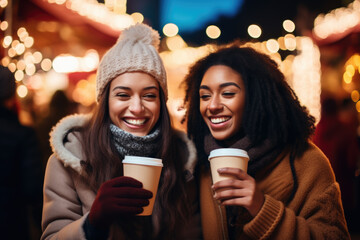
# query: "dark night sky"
269, 15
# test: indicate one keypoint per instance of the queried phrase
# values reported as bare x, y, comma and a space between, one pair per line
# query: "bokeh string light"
300, 64
337, 22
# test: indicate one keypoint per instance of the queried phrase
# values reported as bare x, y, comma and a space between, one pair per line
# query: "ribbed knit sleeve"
266, 220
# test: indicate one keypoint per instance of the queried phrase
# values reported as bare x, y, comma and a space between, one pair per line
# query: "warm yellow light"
28, 42
120, 6
350, 69
272, 45
37, 57
355, 96
254, 31
29, 58
84, 92
358, 106
357, 61
20, 49
7, 41
337, 21
4, 25
21, 65
19, 75
22, 91
22, 33
30, 69
15, 43
3, 3
60, 2
174, 43
65, 64
213, 32
35, 82
347, 77
306, 76
138, 17
90, 61
11, 52
170, 30
5, 61
12, 67
46, 64
110, 4
68, 63
289, 26
281, 41
290, 42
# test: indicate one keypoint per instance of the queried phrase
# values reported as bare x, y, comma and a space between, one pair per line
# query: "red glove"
121, 196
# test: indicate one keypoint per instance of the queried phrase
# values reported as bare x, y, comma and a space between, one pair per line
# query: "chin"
221, 136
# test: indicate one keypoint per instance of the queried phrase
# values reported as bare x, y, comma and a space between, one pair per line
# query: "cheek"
155, 109
116, 108
239, 114
111, 108
202, 108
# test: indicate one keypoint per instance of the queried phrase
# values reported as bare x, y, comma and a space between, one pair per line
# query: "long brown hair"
103, 162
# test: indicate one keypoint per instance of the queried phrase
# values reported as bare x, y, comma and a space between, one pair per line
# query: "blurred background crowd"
53, 47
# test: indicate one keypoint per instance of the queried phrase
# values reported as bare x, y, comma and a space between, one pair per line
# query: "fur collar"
69, 159
59, 133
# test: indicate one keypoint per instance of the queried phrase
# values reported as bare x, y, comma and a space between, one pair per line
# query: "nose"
136, 106
215, 105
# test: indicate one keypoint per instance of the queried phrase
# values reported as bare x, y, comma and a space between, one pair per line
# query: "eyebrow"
221, 85
127, 88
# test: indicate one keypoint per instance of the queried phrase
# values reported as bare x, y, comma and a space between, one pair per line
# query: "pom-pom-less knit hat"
135, 50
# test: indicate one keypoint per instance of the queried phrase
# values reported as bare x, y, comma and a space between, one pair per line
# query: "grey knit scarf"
128, 144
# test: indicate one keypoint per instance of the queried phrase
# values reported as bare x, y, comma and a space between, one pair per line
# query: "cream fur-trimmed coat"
67, 196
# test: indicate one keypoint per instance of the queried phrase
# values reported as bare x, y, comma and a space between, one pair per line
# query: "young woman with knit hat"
238, 98
86, 195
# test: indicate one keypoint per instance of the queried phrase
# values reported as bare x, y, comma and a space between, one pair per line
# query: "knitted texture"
120, 196
135, 50
128, 144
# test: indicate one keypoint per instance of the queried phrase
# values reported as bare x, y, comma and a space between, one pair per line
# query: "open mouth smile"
218, 120
135, 122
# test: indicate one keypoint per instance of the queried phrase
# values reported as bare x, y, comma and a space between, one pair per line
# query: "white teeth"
219, 119
135, 121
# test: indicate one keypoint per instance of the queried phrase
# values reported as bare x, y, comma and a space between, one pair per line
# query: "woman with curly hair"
238, 98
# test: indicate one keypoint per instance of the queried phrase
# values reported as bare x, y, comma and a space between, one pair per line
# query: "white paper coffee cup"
227, 157
147, 171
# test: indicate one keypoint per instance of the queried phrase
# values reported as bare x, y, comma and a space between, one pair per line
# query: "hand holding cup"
232, 185
146, 170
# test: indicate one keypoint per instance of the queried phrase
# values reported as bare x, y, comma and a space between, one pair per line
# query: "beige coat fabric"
315, 212
67, 196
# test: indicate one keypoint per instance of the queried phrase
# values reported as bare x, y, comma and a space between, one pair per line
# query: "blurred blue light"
190, 15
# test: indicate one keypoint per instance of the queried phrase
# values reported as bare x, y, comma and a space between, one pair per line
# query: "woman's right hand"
121, 196
240, 191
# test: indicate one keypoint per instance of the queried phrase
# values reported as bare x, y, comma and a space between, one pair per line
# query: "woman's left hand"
241, 191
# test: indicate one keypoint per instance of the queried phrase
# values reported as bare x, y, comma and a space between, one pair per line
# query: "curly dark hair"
272, 110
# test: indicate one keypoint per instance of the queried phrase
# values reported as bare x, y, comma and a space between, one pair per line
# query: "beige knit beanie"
135, 50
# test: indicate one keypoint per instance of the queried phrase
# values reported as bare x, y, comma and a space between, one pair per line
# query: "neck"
233, 139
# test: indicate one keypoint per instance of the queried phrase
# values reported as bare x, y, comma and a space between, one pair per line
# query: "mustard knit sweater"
315, 212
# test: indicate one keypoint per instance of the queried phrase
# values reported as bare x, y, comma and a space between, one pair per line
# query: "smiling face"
222, 101
134, 102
